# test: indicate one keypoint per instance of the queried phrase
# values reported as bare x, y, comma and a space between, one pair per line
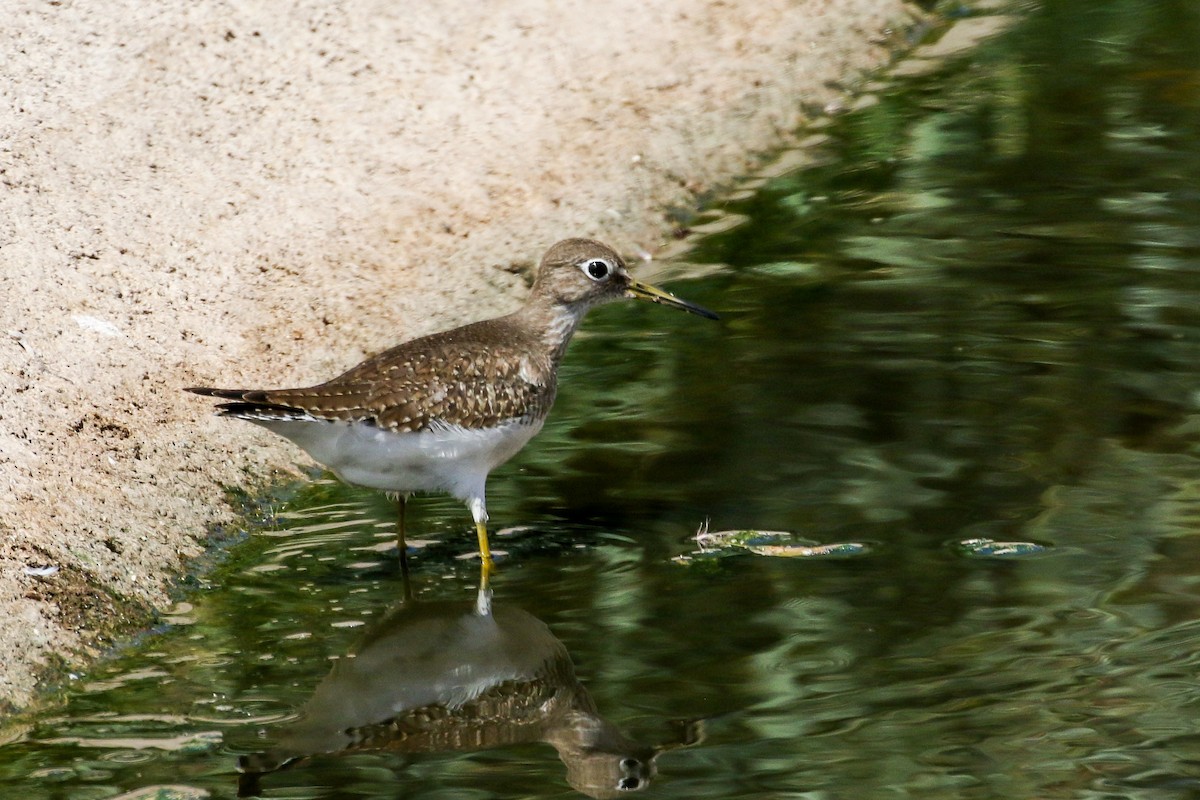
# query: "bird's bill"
644, 291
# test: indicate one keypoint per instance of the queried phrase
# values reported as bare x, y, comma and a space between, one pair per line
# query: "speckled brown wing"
476, 376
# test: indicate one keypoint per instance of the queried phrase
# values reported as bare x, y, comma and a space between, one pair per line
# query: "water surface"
962, 349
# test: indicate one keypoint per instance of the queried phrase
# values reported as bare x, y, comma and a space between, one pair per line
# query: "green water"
976, 318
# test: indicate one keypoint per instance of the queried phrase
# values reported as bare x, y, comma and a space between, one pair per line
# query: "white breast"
444, 458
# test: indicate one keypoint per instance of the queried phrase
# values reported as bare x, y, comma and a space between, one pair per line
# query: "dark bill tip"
644, 291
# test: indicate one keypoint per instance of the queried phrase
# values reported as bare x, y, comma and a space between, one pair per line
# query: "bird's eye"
597, 269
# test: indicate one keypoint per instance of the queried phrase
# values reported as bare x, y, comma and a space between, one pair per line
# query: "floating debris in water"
990, 548
776, 544
796, 550
166, 793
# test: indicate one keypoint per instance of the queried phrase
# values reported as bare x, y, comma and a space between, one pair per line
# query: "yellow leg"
479, 514
485, 552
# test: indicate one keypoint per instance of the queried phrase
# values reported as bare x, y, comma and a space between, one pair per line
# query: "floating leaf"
776, 544
990, 548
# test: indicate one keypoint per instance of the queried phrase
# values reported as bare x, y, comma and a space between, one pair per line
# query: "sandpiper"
438, 413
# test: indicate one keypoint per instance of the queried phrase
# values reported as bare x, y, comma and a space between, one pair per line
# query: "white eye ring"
597, 268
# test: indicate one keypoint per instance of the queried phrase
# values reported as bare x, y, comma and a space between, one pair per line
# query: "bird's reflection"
446, 677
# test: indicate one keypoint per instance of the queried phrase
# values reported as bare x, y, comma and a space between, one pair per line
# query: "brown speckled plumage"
476, 376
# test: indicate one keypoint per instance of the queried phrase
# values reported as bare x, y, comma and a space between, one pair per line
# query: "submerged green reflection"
968, 337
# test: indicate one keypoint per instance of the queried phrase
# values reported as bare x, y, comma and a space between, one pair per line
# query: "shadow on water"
960, 354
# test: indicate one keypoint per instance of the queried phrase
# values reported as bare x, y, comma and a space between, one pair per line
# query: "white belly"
443, 459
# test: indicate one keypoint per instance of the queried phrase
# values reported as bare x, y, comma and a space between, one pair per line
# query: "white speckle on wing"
526, 372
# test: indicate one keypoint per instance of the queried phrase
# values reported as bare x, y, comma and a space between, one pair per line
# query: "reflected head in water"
602, 762
457, 677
